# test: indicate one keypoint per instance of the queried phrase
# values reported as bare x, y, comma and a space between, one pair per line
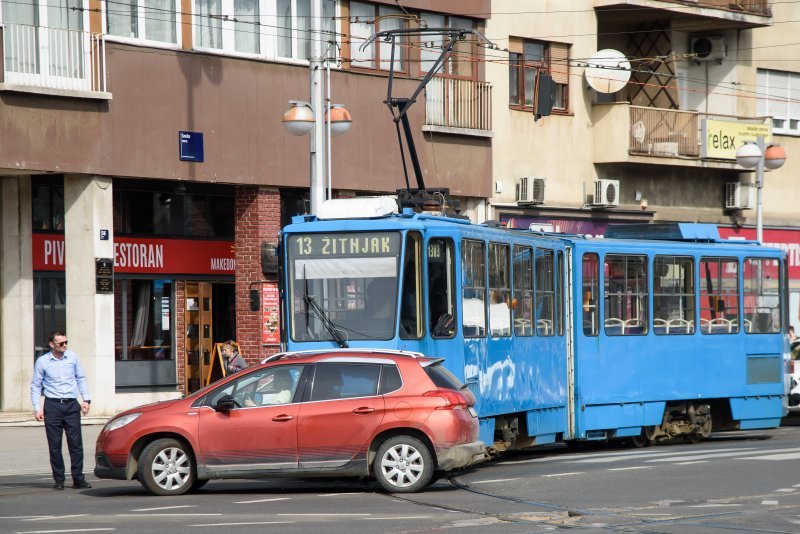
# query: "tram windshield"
343, 285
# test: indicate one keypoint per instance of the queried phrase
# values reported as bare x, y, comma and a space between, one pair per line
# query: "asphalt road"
743, 481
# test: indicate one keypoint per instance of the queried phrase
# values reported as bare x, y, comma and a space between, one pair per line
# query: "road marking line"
786, 490
325, 515
712, 505
263, 500
492, 481
629, 468
243, 524
162, 515
771, 503
692, 463
165, 508
394, 518
65, 530
48, 517
705, 456
564, 474
337, 494
618, 457
785, 456
22, 516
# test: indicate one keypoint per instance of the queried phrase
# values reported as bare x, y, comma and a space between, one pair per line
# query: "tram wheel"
646, 438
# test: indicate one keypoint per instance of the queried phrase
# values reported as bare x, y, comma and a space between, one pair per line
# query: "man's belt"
62, 401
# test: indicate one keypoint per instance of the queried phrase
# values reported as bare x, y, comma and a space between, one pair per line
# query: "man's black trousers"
64, 418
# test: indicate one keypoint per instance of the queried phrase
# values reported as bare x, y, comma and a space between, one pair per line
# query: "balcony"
53, 61
653, 136
688, 15
462, 107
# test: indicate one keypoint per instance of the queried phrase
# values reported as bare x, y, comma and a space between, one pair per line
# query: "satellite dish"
608, 71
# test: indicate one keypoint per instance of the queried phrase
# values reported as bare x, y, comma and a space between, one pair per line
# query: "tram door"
199, 340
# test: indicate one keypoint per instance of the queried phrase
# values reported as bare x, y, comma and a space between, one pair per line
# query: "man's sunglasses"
60, 344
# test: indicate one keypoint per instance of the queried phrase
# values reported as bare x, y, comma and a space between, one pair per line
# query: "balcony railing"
745, 6
670, 132
465, 104
53, 58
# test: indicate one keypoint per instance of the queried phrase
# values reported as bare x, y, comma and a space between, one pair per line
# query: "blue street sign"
191, 146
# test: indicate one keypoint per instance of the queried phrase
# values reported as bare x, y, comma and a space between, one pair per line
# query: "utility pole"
317, 190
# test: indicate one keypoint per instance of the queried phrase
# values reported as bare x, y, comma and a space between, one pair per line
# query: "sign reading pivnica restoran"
721, 139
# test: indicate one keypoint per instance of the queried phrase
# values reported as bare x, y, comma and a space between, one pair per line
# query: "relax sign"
720, 139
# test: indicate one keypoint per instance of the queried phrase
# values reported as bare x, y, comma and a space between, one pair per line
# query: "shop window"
527, 59
47, 203
49, 309
144, 311
173, 213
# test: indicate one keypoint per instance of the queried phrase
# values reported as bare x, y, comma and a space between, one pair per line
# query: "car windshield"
343, 285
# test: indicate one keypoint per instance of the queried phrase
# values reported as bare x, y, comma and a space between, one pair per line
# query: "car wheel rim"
402, 465
171, 469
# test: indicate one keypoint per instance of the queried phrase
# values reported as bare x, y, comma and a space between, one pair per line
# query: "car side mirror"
226, 403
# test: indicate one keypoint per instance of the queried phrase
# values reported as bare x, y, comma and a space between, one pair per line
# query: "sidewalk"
15, 419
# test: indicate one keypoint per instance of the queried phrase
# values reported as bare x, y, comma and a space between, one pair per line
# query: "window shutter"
559, 64
515, 45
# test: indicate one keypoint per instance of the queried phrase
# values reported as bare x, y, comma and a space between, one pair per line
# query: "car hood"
151, 407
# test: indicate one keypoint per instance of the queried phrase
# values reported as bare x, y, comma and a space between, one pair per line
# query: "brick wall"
258, 216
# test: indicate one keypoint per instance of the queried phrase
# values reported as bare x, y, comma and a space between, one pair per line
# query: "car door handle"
282, 418
364, 410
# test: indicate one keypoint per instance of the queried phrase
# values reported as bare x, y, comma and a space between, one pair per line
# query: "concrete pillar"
90, 316
16, 294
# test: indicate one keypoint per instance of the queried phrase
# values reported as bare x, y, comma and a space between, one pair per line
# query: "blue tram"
651, 333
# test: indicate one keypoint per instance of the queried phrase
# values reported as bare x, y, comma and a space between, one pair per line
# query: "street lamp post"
760, 156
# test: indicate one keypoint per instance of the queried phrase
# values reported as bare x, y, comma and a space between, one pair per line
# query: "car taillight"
453, 399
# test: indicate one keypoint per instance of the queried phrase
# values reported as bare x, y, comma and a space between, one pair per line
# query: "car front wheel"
165, 468
403, 465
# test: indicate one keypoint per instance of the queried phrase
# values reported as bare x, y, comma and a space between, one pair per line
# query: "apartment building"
145, 172
706, 75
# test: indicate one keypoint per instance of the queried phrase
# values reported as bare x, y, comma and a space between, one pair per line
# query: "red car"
397, 416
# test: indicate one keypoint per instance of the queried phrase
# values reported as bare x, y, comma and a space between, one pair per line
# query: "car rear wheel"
165, 468
403, 465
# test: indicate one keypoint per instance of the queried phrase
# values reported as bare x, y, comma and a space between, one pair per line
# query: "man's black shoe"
58, 486
81, 484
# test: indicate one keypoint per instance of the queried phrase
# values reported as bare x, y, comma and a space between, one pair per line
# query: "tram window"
762, 296
523, 291
625, 304
560, 293
499, 290
719, 295
441, 287
590, 288
545, 292
411, 308
473, 273
673, 295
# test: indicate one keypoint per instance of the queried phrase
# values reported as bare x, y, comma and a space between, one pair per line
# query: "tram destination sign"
367, 244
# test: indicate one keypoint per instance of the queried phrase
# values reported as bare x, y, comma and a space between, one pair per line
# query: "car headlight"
119, 422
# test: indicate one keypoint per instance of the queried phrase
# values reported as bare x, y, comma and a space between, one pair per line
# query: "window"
499, 290
779, 97
144, 311
151, 20
462, 62
230, 25
411, 308
560, 292
442, 378
673, 295
441, 287
590, 288
625, 295
293, 27
523, 290
47, 209
390, 379
49, 309
473, 282
762, 296
545, 292
266, 387
343, 381
366, 19
719, 295
176, 212
527, 59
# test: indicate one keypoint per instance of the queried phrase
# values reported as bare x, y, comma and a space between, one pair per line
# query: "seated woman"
278, 390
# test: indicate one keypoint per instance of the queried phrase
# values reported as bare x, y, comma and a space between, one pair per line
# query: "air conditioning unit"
739, 196
606, 193
530, 190
708, 48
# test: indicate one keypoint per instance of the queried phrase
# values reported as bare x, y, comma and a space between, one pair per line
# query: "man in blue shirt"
58, 376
